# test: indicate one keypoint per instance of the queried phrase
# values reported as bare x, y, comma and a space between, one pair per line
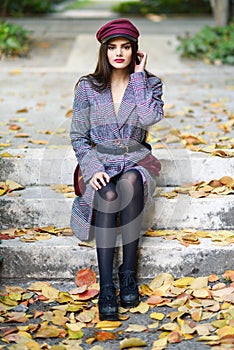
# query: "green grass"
77, 4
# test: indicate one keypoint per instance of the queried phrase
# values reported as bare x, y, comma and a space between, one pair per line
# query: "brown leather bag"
151, 163
79, 184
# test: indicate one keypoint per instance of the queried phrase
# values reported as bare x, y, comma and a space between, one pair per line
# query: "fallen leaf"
107, 325
131, 343
85, 277
104, 336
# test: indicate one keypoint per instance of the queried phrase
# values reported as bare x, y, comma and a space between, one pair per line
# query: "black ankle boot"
107, 303
129, 294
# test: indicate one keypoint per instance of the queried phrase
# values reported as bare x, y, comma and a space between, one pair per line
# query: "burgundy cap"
117, 27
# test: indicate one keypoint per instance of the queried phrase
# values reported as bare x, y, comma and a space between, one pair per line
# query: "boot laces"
108, 293
128, 280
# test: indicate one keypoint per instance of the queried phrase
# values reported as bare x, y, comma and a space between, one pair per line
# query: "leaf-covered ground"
174, 313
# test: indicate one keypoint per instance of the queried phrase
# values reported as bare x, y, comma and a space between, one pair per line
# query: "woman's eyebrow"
121, 44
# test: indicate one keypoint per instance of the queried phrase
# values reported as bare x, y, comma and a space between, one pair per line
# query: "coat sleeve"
80, 135
148, 93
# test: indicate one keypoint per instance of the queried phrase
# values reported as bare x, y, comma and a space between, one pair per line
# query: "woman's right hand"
99, 179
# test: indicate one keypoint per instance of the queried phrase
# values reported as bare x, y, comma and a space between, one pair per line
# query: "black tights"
123, 195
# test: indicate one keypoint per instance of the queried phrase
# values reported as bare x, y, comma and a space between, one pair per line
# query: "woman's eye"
110, 47
127, 47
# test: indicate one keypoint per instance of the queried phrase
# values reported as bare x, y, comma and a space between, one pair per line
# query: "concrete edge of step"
61, 257
48, 166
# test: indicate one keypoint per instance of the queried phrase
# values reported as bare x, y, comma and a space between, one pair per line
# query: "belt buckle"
126, 148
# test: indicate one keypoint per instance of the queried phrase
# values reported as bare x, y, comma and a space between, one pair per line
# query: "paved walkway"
65, 48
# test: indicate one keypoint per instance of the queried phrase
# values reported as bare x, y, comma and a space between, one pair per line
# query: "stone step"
46, 166
61, 257
39, 206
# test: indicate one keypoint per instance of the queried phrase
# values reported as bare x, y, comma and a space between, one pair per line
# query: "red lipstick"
119, 60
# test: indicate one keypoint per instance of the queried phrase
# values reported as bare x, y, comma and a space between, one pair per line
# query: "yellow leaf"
226, 330
75, 335
38, 142
142, 308
183, 282
201, 293
160, 343
15, 71
107, 325
146, 290
153, 325
47, 331
169, 326
37, 286
208, 338
136, 328
86, 316
13, 186
158, 281
219, 323
157, 316
131, 343
75, 327
6, 155
50, 292
32, 345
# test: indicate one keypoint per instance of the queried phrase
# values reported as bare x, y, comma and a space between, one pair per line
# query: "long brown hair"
100, 78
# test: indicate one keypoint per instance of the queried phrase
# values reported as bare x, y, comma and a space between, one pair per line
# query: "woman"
113, 107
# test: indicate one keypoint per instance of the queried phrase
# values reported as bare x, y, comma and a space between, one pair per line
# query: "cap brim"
118, 35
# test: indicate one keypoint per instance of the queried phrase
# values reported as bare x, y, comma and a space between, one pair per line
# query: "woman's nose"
119, 51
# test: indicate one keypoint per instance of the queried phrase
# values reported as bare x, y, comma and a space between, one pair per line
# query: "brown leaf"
22, 110
38, 142
22, 135
47, 331
69, 113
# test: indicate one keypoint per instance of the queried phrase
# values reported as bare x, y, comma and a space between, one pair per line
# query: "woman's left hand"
142, 56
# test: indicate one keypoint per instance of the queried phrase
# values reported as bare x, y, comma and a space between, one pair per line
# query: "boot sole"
108, 317
129, 304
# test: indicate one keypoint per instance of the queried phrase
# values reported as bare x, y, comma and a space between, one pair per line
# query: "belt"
120, 150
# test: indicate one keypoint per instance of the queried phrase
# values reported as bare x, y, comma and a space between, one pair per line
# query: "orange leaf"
155, 300
88, 294
174, 337
14, 127
105, 335
213, 278
229, 275
85, 277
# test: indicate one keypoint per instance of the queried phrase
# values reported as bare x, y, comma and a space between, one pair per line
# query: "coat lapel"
125, 109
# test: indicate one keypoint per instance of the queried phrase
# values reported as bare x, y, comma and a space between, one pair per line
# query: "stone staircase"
60, 257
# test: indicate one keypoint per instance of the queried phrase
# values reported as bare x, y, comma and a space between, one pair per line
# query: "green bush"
163, 6
22, 7
213, 45
14, 40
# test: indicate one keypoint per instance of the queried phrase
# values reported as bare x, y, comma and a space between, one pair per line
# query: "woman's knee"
108, 193
132, 176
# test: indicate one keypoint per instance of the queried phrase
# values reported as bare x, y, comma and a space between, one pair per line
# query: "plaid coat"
95, 122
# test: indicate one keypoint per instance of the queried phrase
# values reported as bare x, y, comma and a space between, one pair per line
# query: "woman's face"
119, 52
